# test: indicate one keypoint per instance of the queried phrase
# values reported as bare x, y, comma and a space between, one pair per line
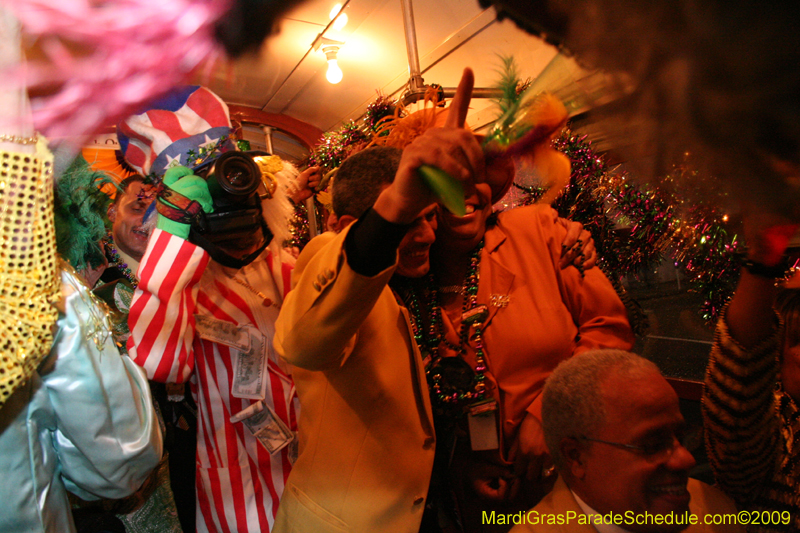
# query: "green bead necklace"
452, 383
116, 261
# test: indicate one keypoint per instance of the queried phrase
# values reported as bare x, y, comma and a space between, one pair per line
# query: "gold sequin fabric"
28, 282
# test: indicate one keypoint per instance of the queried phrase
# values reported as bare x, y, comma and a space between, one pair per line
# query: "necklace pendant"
266, 302
476, 315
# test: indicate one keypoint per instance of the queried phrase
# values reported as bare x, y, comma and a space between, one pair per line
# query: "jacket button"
329, 273
322, 279
427, 444
317, 286
419, 500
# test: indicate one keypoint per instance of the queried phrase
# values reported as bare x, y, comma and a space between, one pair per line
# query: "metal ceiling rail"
416, 85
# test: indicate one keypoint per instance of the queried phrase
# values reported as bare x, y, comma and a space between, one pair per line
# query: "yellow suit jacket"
366, 428
705, 500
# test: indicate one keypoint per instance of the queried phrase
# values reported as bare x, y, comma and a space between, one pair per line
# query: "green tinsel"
379, 109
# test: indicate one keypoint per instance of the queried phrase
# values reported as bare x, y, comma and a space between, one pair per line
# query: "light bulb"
340, 22
334, 74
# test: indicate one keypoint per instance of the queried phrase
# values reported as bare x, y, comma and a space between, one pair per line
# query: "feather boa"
107, 59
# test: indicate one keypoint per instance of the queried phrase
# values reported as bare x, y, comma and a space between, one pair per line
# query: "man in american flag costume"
194, 319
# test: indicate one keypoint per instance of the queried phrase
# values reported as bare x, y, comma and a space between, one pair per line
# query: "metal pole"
268, 138
311, 210
415, 82
449, 92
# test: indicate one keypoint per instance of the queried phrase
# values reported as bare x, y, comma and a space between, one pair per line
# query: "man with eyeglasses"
613, 425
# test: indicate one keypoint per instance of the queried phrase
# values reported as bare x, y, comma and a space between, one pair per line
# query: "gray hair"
572, 401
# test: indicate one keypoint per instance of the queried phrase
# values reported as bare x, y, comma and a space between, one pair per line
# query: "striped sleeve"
740, 415
161, 318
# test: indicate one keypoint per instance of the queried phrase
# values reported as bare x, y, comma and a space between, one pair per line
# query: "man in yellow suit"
367, 441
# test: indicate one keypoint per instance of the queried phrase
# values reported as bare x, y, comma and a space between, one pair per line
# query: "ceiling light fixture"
339, 22
330, 48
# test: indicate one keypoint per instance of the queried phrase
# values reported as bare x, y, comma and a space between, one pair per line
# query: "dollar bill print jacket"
239, 482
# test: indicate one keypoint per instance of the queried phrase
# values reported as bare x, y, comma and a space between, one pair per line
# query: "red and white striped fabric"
238, 483
188, 118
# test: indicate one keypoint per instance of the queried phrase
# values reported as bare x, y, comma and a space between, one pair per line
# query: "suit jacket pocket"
304, 515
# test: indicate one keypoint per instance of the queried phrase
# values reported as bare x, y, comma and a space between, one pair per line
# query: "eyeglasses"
659, 449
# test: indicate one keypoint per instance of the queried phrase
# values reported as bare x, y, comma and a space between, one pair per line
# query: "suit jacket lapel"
421, 382
494, 288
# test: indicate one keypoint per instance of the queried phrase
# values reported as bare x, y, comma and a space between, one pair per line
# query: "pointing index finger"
457, 113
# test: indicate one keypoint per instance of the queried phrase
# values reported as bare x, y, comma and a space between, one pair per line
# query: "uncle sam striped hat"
175, 130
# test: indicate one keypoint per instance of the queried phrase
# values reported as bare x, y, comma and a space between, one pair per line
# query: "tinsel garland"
299, 225
379, 109
333, 148
635, 227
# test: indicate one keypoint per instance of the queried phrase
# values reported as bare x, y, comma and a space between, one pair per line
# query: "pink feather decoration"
129, 52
